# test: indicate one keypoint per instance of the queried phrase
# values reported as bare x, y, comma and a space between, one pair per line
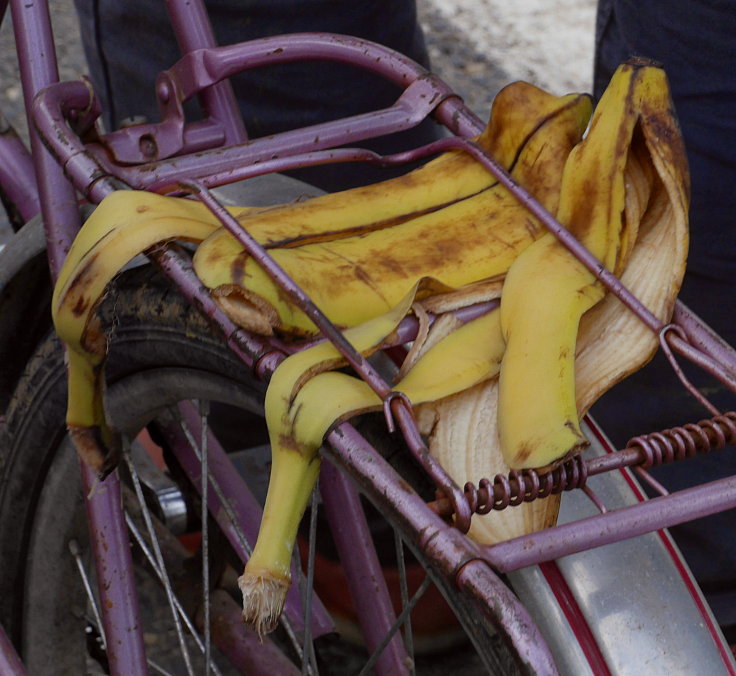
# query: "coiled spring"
686, 441
647, 450
524, 486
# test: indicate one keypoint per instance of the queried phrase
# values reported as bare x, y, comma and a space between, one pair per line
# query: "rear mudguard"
627, 608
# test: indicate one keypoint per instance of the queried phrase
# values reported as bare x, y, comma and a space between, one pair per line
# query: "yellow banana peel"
547, 291
439, 238
124, 225
354, 278
301, 404
611, 342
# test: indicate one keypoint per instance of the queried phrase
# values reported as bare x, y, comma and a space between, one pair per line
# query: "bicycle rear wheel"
161, 352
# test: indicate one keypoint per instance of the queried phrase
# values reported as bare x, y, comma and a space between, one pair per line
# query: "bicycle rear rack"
193, 159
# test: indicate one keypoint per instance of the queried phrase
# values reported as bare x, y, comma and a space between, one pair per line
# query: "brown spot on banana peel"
94, 339
79, 284
365, 277
670, 156
288, 443
80, 307
237, 268
342, 233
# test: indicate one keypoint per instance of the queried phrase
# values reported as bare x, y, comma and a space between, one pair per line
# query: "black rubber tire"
153, 334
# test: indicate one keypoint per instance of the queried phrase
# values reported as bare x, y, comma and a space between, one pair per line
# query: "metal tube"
193, 31
17, 174
223, 62
10, 663
603, 529
511, 618
228, 162
241, 645
38, 69
115, 580
703, 338
366, 582
51, 110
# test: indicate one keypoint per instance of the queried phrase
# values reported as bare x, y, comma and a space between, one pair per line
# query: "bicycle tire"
152, 331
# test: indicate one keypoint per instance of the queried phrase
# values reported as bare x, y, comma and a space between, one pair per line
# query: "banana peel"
530, 124
441, 237
352, 278
124, 225
302, 402
547, 291
611, 341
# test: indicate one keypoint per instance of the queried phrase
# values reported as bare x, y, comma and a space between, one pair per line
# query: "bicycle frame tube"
10, 663
193, 31
603, 529
16, 167
38, 69
114, 565
357, 554
16, 173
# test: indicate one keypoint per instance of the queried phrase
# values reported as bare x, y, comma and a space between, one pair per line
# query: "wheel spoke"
161, 568
158, 668
408, 633
396, 626
75, 551
309, 661
203, 416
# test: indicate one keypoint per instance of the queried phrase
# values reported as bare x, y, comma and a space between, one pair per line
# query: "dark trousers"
695, 40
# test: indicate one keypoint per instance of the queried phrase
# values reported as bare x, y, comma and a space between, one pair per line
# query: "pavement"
478, 46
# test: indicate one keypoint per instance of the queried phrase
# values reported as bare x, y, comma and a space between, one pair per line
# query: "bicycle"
162, 379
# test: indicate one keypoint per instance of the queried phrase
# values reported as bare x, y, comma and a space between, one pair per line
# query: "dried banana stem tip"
263, 600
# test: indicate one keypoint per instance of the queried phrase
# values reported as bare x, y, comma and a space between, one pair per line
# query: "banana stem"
267, 575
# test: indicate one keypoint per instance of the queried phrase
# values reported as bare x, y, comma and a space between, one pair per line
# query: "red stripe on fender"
575, 618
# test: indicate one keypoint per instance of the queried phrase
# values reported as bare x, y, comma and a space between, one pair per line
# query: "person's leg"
694, 42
